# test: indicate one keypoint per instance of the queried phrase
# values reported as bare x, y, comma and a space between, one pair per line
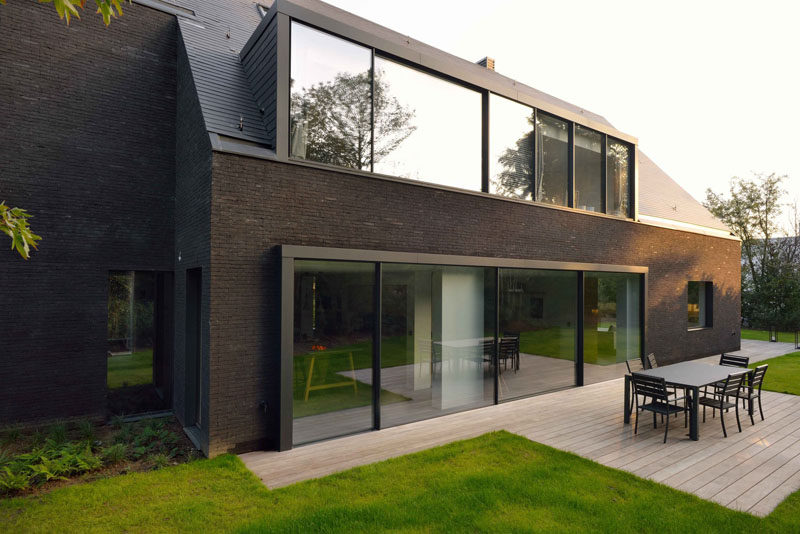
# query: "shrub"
11, 482
58, 433
159, 461
86, 430
115, 453
10, 436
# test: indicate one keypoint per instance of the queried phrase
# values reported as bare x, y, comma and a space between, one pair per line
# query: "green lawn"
763, 335
559, 343
130, 369
498, 482
783, 374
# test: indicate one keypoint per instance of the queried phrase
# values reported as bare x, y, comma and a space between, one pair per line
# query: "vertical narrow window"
552, 160
618, 178
700, 297
331, 104
426, 128
511, 143
588, 169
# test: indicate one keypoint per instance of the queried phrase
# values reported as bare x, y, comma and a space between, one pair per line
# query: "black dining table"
689, 376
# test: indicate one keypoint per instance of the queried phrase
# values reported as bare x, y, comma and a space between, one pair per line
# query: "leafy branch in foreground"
67, 9
14, 223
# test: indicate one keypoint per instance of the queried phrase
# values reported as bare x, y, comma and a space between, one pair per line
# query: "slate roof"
218, 31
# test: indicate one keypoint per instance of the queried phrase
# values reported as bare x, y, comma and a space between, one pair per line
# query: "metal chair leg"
666, 430
738, 423
722, 418
750, 411
759, 406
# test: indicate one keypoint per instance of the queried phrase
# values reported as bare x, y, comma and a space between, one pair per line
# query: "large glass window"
437, 340
333, 330
331, 105
511, 145
538, 314
611, 324
426, 128
552, 160
588, 169
700, 299
618, 178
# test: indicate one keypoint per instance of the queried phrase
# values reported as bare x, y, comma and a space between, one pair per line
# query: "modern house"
317, 226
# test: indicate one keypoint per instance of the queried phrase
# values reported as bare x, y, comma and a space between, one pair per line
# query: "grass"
763, 335
498, 482
783, 374
130, 369
559, 343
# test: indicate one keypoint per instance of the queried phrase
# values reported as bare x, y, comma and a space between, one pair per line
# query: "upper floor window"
588, 169
552, 160
511, 142
351, 107
331, 105
426, 128
619, 161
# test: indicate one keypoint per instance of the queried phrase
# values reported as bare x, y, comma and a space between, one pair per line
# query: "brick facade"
87, 117
258, 205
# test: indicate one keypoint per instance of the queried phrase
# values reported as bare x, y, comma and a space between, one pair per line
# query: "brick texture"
258, 205
87, 118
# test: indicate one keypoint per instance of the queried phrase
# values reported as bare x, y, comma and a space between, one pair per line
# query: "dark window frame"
290, 253
485, 131
706, 313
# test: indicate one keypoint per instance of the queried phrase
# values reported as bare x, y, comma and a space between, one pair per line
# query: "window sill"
698, 328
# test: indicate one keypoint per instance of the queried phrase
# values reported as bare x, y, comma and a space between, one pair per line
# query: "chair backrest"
488, 347
650, 386
757, 378
508, 344
634, 365
734, 361
733, 383
651, 360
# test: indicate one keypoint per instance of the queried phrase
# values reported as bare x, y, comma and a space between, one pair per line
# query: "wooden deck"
751, 471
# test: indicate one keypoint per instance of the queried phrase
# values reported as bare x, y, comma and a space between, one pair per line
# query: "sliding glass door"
333, 330
437, 328
538, 317
448, 338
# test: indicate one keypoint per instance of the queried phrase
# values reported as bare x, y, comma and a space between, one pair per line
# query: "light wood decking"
751, 471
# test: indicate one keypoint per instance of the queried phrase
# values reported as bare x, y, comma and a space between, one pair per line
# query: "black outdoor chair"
654, 389
734, 361
751, 390
515, 336
634, 365
652, 363
717, 400
508, 351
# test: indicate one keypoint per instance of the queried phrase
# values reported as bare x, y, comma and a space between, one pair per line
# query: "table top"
693, 374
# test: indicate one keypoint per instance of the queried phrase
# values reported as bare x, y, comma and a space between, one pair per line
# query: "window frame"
705, 313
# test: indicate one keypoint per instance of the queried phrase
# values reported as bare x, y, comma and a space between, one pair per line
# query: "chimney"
487, 62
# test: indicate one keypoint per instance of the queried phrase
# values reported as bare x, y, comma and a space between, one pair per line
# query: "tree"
14, 223
67, 9
331, 121
770, 254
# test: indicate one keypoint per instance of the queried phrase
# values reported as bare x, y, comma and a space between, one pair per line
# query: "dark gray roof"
220, 29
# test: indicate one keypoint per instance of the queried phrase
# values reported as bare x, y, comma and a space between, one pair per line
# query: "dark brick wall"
257, 205
192, 229
87, 145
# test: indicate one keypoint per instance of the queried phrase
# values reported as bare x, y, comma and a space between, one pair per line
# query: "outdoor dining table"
689, 376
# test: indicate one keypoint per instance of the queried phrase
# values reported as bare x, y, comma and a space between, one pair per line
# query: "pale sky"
711, 89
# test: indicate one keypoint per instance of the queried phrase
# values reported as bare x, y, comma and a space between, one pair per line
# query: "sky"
710, 89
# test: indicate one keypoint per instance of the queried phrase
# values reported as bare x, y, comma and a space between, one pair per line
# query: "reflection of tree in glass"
516, 178
331, 121
618, 162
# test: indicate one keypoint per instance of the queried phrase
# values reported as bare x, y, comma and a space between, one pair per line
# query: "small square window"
701, 299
